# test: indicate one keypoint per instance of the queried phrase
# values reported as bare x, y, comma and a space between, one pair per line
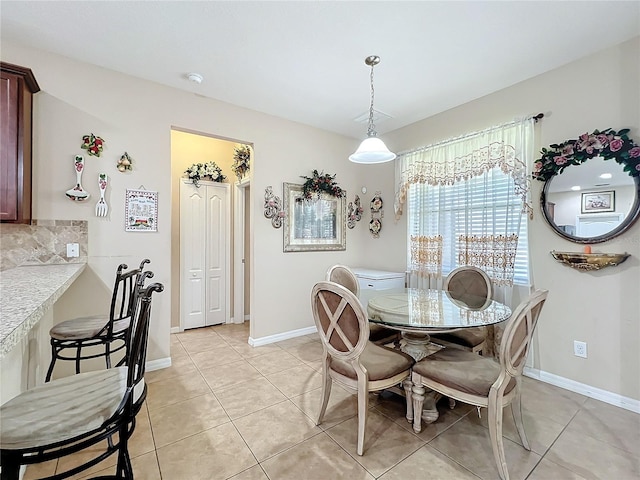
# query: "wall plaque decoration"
141, 211
273, 207
375, 225
354, 212
92, 144
125, 164
76, 192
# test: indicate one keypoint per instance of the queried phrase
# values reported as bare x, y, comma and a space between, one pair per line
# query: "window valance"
508, 147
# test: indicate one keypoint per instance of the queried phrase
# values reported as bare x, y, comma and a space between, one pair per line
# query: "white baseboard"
159, 364
174, 330
258, 342
611, 398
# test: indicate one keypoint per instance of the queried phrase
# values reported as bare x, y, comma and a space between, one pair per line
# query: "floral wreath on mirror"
607, 144
204, 171
315, 185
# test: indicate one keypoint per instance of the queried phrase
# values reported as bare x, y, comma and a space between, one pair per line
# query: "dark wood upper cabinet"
16, 100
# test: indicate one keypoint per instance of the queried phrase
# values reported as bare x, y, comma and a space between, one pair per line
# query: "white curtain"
476, 184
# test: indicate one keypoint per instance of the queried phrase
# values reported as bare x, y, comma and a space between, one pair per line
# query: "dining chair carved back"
93, 412
473, 287
111, 332
349, 358
344, 276
485, 381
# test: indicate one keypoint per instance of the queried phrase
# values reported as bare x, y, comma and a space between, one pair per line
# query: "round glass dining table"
417, 313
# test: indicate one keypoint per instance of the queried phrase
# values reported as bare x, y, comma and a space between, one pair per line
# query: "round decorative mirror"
592, 186
592, 202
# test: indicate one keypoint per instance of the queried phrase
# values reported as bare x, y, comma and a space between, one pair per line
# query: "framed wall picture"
141, 211
596, 202
313, 225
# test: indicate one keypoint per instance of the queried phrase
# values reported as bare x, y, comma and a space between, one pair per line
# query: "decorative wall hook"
273, 207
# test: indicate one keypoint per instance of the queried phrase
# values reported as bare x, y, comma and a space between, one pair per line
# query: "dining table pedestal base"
419, 346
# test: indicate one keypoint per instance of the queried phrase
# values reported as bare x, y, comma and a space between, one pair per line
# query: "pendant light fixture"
372, 149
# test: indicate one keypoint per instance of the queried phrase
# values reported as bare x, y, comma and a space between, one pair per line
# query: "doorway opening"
188, 148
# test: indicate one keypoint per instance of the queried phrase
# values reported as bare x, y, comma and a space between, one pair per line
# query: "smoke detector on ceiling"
195, 78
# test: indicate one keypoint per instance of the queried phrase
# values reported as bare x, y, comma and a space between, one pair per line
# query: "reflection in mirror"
591, 202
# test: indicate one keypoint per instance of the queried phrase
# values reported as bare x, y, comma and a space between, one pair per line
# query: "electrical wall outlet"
580, 349
73, 250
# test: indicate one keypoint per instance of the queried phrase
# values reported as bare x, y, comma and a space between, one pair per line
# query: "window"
483, 205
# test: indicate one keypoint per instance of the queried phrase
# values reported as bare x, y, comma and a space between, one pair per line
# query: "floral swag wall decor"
319, 183
241, 158
204, 171
607, 144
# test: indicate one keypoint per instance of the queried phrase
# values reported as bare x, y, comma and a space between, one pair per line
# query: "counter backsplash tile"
44, 242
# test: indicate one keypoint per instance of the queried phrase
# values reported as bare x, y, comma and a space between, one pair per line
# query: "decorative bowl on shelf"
589, 261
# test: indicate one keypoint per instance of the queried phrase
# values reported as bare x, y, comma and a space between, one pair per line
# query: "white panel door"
216, 255
192, 255
204, 254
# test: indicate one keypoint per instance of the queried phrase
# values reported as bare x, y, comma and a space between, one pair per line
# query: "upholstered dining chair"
349, 358
473, 287
106, 330
344, 276
71, 414
485, 381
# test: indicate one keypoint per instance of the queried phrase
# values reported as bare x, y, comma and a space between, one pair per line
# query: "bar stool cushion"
86, 327
53, 412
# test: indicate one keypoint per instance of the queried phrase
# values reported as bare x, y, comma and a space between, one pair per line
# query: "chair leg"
516, 411
107, 355
408, 385
54, 355
417, 397
326, 390
78, 353
124, 470
10, 467
363, 408
495, 434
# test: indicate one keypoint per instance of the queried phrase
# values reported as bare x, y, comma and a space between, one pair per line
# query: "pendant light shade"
372, 149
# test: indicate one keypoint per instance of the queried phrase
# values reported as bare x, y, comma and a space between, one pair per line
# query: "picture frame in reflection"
597, 202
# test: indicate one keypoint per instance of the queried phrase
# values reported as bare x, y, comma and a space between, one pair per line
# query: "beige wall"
137, 116
601, 308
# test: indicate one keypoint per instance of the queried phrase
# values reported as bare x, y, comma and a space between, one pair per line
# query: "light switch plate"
73, 250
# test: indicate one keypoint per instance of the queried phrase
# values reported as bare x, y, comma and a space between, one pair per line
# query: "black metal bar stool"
71, 414
84, 332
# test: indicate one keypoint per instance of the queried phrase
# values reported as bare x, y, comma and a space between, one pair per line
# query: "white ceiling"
304, 60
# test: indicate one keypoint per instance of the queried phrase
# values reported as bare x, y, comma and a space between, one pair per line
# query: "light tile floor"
227, 410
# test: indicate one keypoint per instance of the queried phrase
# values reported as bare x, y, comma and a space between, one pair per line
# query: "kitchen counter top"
26, 293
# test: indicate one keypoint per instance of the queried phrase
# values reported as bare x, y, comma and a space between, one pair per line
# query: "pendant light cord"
371, 130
